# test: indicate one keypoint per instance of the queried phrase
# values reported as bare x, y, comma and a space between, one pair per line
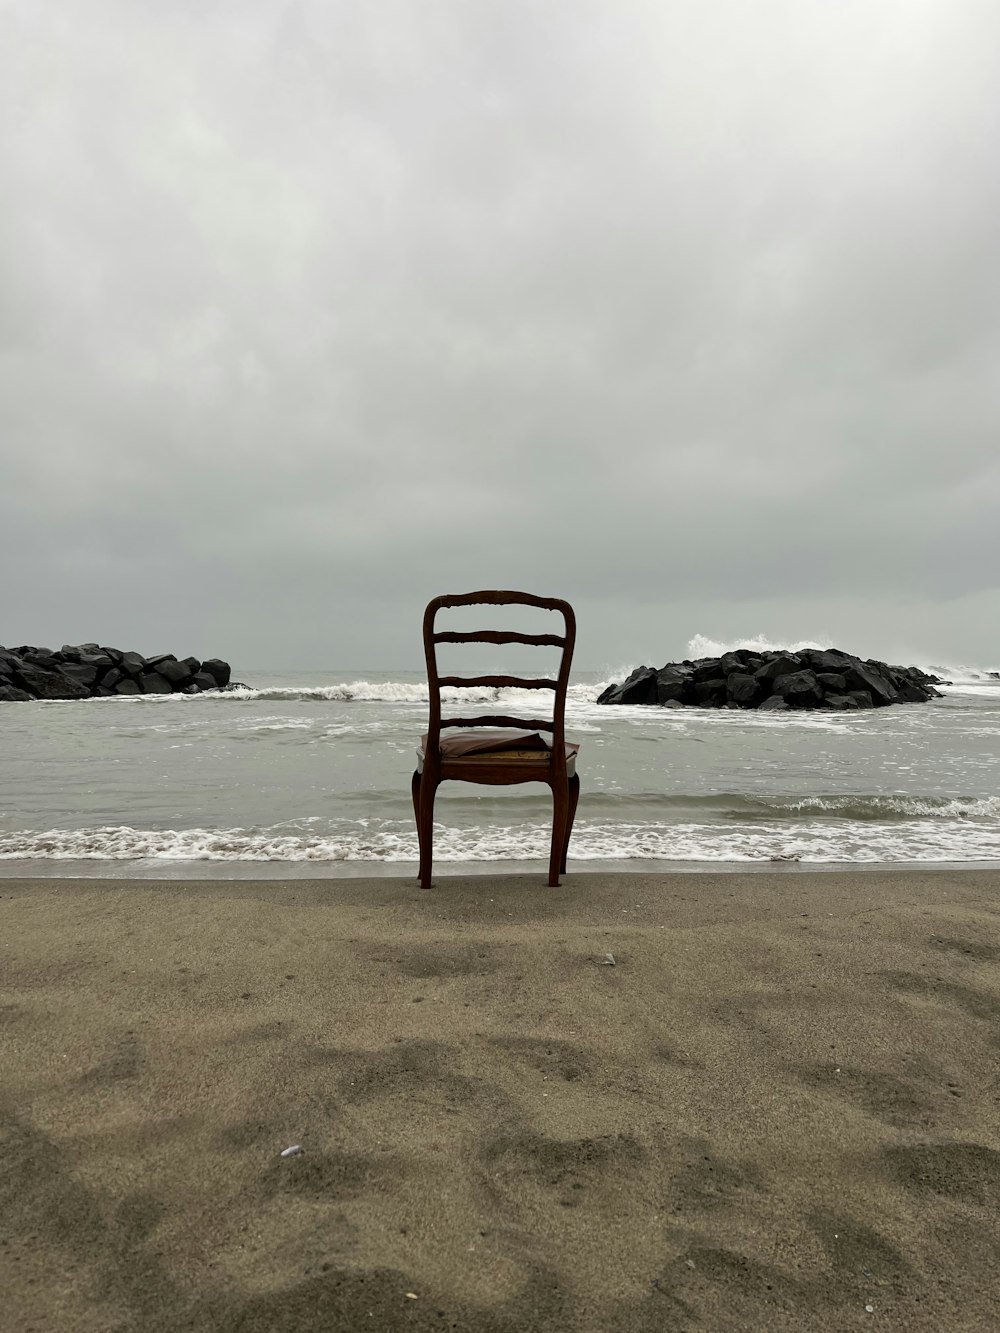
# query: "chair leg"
415, 793
560, 821
574, 796
425, 827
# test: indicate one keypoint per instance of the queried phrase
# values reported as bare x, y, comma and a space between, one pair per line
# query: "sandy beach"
779, 1107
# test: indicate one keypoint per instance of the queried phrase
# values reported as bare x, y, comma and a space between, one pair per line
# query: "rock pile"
88, 671
811, 678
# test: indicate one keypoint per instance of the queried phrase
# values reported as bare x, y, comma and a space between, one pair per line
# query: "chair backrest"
565, 641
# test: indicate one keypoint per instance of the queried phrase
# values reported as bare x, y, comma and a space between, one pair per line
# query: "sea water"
309, 772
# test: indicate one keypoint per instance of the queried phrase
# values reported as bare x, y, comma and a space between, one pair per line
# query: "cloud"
311, 311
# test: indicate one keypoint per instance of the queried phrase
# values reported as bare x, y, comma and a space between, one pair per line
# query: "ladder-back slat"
499, 636
520, 682
498, 720
497, 597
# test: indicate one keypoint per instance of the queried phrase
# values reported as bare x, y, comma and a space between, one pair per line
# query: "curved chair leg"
425, 828
415, 793
574, 796
560, 822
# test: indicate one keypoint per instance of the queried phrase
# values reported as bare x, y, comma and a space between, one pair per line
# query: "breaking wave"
814, 830
388, 691
955, 672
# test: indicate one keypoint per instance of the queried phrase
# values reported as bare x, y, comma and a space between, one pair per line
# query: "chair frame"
497, 772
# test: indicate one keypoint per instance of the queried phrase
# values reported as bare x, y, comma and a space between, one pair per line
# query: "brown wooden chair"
513, 749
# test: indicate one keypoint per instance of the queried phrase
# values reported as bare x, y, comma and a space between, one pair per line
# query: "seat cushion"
497, 746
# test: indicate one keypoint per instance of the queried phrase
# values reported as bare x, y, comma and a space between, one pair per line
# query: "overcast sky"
686, 311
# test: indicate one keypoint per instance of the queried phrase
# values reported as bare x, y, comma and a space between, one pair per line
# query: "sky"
685, 310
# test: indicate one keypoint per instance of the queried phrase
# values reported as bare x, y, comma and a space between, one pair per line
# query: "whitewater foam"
932, 838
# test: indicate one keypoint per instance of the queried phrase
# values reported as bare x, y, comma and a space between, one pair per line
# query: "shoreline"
776, 1108
184, 871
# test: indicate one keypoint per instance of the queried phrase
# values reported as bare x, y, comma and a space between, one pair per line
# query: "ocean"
309, 773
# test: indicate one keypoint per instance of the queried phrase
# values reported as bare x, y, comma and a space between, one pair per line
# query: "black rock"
743, 689
711, 693
825, 659
100, 661
812, 678
178, 673
910, 692
88, 670
10, 694
674, 684
781, 664
799, 689
219, 670
832, 680
861, 676
48, 684
153, 683
86, 675
638, 688
773, 704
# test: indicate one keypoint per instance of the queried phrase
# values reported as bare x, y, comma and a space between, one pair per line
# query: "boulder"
860, 676
674, 684
10, 694
153, 683
812, 678
910, 692
101, 660
127, 686
773, 704
638, 688
832, 680
743, 689
48, 684
711, 693
132, 663
782, 664
824, 659
42, 657
799, 689
221, 673
178, 673
86, 675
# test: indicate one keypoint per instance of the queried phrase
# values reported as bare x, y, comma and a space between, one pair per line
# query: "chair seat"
492, 746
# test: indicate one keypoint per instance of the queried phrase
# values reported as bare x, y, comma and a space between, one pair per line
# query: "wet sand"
780, 1105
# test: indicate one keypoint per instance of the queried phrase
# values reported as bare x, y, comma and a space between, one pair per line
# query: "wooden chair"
498, 757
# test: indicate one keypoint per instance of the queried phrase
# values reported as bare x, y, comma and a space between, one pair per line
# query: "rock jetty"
775, 681
88, 671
